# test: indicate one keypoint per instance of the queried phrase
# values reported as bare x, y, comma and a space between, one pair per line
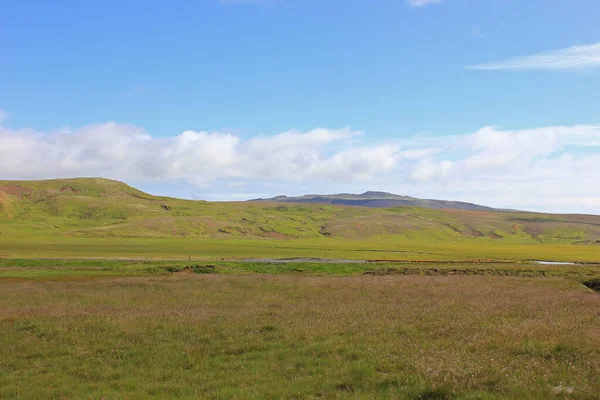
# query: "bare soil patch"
16, 190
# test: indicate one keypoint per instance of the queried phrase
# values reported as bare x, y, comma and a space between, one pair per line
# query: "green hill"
96, 208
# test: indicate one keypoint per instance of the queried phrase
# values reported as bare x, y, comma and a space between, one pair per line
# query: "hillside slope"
93, 207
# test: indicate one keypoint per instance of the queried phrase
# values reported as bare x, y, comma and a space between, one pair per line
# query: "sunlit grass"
71, 268
377, 248
266, 336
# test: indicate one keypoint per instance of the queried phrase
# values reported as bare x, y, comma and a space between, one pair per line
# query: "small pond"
554, 262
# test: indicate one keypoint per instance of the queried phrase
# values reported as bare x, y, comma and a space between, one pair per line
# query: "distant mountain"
377, 200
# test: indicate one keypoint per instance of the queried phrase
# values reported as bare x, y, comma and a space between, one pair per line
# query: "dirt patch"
69, 189
473, 232
16, 190
274, 235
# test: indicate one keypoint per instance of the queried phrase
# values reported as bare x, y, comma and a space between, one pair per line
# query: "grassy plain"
374, 248
278, 336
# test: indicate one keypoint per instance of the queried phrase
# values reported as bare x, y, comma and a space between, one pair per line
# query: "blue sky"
405, 94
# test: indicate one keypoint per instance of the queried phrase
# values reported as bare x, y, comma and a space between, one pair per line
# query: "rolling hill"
101, 208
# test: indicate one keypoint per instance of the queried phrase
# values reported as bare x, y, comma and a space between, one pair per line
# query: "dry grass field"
303, 337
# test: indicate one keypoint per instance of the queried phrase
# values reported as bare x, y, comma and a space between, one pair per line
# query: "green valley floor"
223, 330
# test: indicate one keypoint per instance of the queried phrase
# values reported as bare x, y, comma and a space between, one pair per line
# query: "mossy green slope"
94, 207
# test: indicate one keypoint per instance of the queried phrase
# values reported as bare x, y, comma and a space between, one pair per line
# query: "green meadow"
400, 249
199, 334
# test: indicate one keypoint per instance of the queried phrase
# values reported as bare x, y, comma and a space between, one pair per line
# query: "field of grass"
383, 248
100, 328
262, 336
74, 269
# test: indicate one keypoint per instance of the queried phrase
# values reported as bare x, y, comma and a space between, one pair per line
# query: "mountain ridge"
378, 199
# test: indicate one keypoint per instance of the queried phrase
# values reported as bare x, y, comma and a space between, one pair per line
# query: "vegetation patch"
593, 284
195, 269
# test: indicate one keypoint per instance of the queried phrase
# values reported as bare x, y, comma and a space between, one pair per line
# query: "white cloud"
491, 151
128, 152
549, 168
541, 169
572, 58
422, 3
